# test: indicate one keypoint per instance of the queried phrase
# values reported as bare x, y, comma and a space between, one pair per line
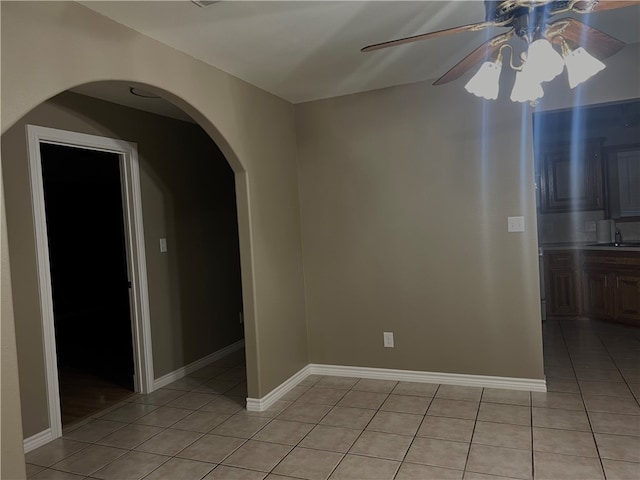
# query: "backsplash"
630, 231
573, 228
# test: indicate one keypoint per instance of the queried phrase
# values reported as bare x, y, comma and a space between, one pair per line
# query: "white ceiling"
307, 50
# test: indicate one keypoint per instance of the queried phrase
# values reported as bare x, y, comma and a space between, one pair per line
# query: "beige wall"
49, 47
405, 194
12, 458
12, 452
188, 197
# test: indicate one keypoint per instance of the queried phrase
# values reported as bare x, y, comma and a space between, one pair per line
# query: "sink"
613, 244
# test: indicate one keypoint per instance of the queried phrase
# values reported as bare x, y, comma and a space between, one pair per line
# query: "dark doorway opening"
88, 260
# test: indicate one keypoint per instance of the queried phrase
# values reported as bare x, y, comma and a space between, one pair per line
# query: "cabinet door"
598, 301
562, 292
571, 177
627, 297
623, 181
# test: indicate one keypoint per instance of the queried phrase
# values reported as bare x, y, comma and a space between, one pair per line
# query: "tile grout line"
416, 434
618, 369
315, 424
564, 333
533, 454
625, 382
309, 432
216, 426
473, 431
593, 436
201, 436
364, 429
332, 407
125, 402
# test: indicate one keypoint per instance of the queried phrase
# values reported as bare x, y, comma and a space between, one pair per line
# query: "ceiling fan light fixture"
486, 82
526, 88
530, 21
581, 66
543, 61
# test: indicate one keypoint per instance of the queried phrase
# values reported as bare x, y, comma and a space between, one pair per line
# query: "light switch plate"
163, 245
515, 224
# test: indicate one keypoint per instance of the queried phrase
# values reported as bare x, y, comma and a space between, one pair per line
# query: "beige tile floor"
587, 426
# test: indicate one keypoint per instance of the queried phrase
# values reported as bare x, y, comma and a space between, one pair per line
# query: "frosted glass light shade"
485, 83
581, 66
543, 61
526, 88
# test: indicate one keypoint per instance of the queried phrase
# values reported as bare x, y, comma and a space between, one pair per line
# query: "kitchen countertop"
589, 246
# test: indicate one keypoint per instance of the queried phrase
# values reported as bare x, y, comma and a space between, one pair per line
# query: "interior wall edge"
12, 452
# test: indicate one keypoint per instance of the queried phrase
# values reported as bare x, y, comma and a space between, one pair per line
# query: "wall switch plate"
388, 339
163, 245
515, 224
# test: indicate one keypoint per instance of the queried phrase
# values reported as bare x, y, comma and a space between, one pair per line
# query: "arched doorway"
174, 203
56, 46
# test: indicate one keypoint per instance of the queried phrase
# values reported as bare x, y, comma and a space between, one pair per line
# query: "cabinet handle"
617, 282
605, 282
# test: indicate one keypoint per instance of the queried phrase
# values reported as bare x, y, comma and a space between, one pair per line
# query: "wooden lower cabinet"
627, 298
564, 293
612, 286
600, 284
598, 301
562, 283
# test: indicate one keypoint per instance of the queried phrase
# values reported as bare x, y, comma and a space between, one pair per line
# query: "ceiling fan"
531, 21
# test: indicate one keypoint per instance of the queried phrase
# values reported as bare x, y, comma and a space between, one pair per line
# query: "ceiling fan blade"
424, 36
483, 52
599, 44
582, 7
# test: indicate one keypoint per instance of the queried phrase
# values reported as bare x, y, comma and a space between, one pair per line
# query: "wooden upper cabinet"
622, 168
571, 177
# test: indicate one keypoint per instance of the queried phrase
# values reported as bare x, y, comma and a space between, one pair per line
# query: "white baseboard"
38, 440
511, 383
198, 364
460, 379
261, 404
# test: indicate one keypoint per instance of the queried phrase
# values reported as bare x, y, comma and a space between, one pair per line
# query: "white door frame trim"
132, 209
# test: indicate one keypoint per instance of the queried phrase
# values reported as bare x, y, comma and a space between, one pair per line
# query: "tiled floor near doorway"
586, 427
83, 394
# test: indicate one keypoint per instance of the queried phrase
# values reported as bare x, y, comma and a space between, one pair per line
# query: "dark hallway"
88, 263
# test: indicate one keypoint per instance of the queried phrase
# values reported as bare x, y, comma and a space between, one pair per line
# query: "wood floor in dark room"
83, 394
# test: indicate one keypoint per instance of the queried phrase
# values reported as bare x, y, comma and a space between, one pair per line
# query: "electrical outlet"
590, 226
388, 339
